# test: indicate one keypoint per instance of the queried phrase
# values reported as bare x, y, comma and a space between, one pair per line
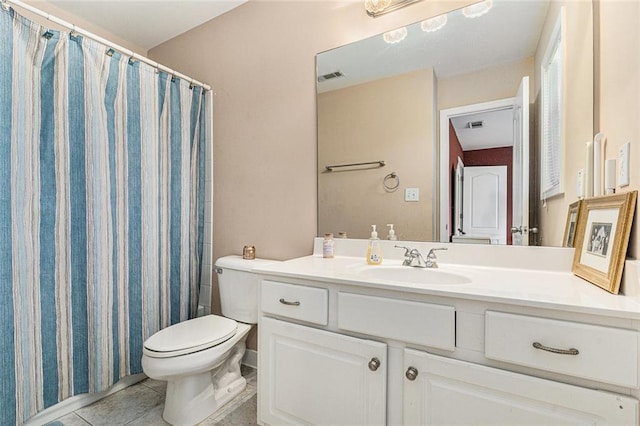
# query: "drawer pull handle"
286, 302
570, 351
374, 364
412, 373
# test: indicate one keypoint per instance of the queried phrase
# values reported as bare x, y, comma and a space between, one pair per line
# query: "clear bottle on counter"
374, 251
327, 246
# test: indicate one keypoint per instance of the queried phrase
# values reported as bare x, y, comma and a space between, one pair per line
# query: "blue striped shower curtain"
101, 213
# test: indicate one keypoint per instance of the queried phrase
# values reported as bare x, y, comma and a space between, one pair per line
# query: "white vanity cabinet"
313, 376
341, 353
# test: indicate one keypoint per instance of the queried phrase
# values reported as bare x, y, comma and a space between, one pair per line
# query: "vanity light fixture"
477, 9
376, 8
395, 36
433, 24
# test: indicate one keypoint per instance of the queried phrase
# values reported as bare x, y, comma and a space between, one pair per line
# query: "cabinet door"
310, 376
447, 391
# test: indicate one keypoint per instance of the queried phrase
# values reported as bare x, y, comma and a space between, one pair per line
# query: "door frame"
445, 116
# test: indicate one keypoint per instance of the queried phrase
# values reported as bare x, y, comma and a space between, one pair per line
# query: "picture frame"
602, 237
571, 226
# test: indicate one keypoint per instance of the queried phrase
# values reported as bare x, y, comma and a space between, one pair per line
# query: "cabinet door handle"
412, 373
374, 364
570, 351
286, 302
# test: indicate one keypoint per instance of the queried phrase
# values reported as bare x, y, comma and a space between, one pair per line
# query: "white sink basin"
408, 274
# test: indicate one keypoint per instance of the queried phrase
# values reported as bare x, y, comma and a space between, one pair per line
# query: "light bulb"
434, 24
478, 9
395, 36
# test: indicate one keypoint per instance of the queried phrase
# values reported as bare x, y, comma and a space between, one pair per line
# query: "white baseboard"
250, 358
74, 403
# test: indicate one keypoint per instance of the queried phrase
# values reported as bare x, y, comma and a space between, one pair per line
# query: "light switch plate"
623, 159
580, 184
412, 194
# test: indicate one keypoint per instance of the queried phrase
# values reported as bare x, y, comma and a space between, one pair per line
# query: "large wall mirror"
441, 101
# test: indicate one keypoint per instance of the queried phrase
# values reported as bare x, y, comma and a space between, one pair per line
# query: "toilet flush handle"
219, 270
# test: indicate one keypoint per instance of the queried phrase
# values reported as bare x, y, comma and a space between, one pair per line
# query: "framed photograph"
601, 239
572, 224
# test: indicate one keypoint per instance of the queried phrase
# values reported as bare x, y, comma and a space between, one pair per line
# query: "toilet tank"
238, 287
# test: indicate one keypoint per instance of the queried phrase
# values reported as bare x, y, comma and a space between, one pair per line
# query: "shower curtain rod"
99, 39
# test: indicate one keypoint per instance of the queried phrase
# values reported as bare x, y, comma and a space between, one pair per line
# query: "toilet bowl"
200, 358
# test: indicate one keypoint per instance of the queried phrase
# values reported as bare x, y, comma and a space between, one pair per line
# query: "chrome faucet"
412, 257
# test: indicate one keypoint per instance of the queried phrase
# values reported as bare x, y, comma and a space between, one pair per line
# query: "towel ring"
391, 181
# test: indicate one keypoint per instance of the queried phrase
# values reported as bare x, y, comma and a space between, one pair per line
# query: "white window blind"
552, 115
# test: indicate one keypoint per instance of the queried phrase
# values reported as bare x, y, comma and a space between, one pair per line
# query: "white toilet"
200, 358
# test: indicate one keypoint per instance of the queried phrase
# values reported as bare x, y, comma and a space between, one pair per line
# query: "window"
552, 122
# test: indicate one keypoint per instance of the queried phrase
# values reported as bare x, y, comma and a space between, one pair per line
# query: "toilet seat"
190, 336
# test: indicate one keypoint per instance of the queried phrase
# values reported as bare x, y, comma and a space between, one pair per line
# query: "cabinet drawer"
412, 322
604, 354
308, 304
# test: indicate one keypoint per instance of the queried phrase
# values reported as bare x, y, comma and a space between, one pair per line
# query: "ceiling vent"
475, 124
331, 75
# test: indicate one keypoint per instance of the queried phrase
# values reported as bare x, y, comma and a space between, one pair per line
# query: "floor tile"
71, 419
122, 407
238, 403
156, 385
142, 405
245, 415
151, 418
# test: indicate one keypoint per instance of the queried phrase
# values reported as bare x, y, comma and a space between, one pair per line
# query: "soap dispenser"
374, 251
392, 233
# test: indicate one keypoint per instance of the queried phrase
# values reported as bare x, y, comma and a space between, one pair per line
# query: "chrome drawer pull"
286, 302
570, 351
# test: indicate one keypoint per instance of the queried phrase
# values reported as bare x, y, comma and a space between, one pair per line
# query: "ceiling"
496, 130
507, 34
146, 23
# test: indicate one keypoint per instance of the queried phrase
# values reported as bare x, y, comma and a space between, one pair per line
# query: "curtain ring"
391, 182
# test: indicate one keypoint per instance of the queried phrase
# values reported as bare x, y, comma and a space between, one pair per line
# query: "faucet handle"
432, 254
407, 250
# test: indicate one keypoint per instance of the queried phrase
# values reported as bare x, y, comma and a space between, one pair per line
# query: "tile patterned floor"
142, 405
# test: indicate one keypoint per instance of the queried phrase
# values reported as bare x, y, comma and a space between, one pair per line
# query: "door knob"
533, 230
411, 373
516, 230
374, 364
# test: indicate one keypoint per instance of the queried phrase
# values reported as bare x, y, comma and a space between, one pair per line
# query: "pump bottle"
374, 251
392, 233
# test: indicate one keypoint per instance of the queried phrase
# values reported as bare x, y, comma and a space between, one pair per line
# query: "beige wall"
389, 119
578, 110
619, 94
490, 84
260, 60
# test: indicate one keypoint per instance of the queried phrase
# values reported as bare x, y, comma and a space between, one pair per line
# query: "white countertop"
525, 287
